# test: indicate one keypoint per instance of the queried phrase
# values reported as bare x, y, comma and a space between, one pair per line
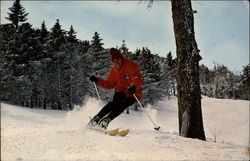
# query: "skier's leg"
111, 105
103, 112
120, 106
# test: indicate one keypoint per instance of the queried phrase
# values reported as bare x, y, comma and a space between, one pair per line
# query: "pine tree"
245, 82
57, 35
206, 81
99, 64
96, 43
71, 35
56, 30
17, 13
125, 50
170, 70
7, 32
18, 51
150, 69
220, 80
21, 53
230, 92
95, 54
75, 75
44, 32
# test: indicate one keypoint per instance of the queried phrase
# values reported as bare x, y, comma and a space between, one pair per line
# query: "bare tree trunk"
173, 86
44, 103
188, 85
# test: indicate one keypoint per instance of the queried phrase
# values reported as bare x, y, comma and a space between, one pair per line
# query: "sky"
221, 27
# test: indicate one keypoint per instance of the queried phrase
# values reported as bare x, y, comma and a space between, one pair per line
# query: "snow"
36, 134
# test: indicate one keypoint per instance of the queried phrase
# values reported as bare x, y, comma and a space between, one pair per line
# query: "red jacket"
121, 78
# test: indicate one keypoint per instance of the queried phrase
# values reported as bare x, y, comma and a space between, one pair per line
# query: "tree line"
41, 67
220, 82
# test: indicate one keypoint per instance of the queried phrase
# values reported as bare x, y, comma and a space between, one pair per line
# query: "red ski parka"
121, 78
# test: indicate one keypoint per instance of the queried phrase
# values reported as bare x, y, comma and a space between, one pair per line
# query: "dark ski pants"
117, 106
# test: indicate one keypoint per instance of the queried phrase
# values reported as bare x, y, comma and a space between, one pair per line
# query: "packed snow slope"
36, 134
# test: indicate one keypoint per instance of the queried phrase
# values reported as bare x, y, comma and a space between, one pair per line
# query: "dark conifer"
44, 31
57, 30
96, 42
17, 13
72, 35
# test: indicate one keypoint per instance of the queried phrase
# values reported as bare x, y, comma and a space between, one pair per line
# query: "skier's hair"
114, 53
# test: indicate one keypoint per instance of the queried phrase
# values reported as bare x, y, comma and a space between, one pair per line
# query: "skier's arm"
137, 79
108, 83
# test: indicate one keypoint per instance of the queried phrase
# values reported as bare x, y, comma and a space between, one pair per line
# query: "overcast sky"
221, 27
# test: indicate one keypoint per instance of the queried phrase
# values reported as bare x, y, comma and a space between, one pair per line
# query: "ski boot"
104, 123
93, 122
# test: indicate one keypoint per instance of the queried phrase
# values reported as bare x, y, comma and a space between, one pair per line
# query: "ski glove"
131, 89
93, 79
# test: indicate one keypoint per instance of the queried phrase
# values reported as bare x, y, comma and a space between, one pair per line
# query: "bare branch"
150, 4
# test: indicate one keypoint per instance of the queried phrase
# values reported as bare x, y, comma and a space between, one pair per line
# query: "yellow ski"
124, 132
113, 132
107, 132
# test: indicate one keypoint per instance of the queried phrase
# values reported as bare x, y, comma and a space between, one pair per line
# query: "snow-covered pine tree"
135, 56
71, 35
96, 43
230, 91
165, 77
75, 86
125, 50
43, 82
220, 82
65, 76
44, 41
150, 69
225, 83
245, 82
44, 53
83, 85
58, 77
98, 63
56, 30
57, 35
50, 58
43, 31
7, 32
205, 81
17, 13
21, 52
170, 66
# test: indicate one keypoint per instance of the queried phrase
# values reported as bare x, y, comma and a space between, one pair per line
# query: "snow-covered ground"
35, 134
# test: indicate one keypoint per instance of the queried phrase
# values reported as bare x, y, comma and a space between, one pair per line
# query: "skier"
126, 78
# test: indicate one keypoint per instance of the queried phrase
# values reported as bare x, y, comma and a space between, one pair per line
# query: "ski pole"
155, 127
97, 91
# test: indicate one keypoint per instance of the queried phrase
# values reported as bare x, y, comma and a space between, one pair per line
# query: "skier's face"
117, 62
